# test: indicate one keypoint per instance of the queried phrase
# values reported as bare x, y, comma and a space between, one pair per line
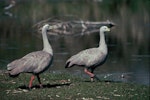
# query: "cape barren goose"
91, 58
34, 62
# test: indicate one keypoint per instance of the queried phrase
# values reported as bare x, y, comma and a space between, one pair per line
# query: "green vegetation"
68, 87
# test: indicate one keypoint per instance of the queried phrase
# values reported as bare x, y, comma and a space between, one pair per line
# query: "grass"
64, 86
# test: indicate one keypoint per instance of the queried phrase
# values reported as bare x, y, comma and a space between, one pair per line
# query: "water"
128, 41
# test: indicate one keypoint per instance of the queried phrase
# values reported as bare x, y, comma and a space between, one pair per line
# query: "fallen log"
71, 26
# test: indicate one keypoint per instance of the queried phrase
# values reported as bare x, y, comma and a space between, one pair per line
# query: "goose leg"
40, 84
31, 80
92, 78
89, 73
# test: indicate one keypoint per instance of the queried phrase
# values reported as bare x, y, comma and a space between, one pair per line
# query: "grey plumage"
88, 58
91, 58
34, 62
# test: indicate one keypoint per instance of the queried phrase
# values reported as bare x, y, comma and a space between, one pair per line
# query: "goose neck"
46, 45
102, 39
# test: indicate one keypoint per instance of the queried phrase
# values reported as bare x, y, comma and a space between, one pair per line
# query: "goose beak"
50, 27
108, 29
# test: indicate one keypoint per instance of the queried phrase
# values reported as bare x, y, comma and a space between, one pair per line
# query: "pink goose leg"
31, 80
90, 74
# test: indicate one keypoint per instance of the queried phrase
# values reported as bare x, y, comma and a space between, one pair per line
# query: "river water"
128, 42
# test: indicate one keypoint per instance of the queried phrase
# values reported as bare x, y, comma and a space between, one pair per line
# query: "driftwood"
69, 26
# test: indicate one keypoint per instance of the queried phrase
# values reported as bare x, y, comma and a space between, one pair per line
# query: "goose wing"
34, 62
88, 57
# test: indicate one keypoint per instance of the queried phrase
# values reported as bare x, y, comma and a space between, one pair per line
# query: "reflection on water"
128, 42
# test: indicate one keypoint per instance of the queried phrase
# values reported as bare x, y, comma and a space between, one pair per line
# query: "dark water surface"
128, 41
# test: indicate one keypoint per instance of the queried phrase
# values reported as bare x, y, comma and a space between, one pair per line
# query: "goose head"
104, 29
46, 27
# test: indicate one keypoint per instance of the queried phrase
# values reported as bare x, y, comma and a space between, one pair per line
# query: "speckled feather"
34, 62
93, 57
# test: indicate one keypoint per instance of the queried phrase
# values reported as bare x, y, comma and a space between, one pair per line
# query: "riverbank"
64, 86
